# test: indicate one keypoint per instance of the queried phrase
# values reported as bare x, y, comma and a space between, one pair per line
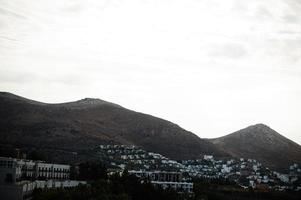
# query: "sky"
210, 66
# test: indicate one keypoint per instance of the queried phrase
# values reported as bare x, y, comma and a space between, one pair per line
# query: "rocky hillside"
83, 124
262, 143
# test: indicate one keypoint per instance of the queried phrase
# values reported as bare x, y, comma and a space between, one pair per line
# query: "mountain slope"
82, 124
262, 143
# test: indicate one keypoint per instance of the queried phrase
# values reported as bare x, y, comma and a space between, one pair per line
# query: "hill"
262, 143
80, 125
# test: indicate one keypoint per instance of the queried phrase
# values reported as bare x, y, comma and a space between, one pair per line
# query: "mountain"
262, 143
80, 125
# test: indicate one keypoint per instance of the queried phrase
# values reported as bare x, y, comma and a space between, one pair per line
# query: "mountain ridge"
82, 124
261, 142
88, 122
84, 101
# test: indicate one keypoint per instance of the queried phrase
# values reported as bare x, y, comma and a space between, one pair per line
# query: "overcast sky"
211, 66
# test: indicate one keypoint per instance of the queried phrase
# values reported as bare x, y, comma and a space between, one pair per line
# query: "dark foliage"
125, 187
92, 171
129, 187
36, 155
220, 189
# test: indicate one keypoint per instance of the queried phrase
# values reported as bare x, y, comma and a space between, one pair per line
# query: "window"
9, 178
10, 164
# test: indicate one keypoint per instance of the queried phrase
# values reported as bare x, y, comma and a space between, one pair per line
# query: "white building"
52, 171
208, 157
13, 170
178, 186
165, 180
18, 178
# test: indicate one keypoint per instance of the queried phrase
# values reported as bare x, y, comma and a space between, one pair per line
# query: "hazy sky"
211, 66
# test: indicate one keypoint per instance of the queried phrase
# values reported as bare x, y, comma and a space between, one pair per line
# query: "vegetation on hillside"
128, 187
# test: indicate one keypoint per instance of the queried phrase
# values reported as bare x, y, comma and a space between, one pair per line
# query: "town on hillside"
19, 178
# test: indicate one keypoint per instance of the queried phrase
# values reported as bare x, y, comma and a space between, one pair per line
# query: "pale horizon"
212, 67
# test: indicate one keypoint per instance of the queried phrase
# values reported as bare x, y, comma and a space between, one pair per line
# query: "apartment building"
19, 177
13, 170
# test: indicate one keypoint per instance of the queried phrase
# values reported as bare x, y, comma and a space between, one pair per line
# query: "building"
18, 177
13, 170
208, 157
10, 171
158, 175
52, 171
165, 180
178, 186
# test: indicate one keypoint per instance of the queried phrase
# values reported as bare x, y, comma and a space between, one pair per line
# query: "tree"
92, 171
